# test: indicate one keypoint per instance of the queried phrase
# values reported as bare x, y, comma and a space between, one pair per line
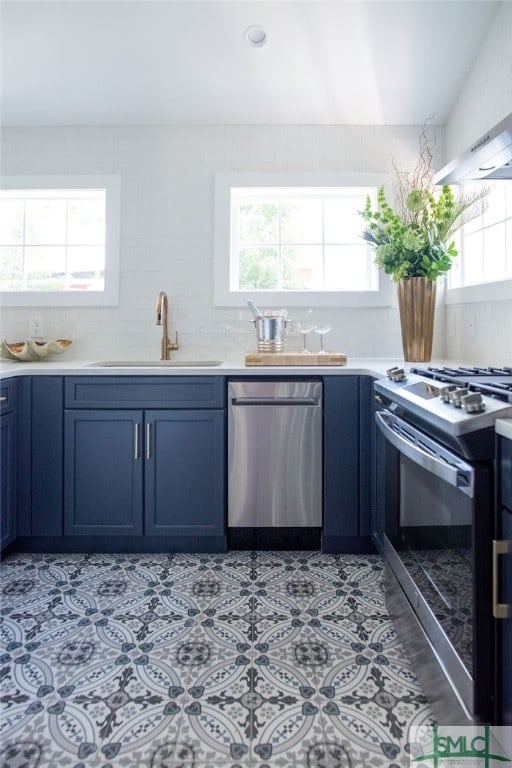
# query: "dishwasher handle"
275, 401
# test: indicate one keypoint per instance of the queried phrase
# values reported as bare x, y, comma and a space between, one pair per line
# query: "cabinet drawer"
8, 395
144, 392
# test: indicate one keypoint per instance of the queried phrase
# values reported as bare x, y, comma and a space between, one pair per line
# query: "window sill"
382, 298
470, 294
60, 298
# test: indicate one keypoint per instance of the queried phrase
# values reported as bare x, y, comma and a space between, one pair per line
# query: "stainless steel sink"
155, 364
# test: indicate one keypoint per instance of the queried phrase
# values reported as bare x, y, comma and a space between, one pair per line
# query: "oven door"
433, 526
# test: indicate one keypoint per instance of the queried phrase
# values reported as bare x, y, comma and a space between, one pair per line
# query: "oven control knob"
444, 392
456, 396
396, 374
473, 403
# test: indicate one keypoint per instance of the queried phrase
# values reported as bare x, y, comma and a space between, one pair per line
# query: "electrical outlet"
36, 328
469, 326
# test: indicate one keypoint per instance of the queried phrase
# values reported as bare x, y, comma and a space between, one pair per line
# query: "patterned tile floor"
243, 660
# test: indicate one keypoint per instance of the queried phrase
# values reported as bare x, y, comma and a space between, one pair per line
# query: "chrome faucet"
162, 312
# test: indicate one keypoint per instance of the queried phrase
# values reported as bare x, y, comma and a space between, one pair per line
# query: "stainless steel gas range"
434, 524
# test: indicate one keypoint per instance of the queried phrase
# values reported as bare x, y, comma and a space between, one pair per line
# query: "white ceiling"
184, 61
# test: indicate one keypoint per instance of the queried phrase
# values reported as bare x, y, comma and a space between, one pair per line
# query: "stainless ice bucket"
271, 330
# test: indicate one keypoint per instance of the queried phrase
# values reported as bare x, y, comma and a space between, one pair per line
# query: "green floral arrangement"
415, 238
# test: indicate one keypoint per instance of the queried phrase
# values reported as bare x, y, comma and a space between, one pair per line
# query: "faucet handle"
173, 345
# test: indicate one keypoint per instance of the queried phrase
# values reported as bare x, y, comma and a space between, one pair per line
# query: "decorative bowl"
32, 351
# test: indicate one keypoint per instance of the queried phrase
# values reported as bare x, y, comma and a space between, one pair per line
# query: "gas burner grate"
502, 385
491, 380
464, 371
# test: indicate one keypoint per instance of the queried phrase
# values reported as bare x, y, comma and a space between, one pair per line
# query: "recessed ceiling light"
255, 36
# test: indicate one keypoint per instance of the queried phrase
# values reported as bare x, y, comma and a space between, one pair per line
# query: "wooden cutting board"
294, 358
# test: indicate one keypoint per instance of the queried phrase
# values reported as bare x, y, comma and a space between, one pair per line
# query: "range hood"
489, 158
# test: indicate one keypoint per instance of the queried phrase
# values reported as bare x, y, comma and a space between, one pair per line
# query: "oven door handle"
459, 475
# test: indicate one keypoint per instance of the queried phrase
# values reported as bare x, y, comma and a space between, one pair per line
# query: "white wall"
491, 341
486, 97
485, 100
167, 178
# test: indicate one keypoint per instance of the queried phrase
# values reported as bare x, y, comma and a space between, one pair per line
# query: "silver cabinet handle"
3, 399
148, 441
499, 610
136, 452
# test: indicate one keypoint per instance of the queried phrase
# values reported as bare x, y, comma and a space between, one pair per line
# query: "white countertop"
376, 367
504, 427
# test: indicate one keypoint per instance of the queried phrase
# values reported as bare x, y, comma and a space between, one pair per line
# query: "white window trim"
224, 297
471, 294
109, 297
498, 290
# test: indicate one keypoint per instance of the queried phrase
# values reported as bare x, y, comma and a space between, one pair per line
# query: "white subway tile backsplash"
167, 186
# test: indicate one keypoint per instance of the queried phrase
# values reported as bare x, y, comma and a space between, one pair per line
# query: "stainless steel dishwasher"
275, 454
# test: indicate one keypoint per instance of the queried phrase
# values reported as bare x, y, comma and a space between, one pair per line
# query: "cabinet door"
184, 475
103, 472
504, 626
341, 459
8, 479
41, 458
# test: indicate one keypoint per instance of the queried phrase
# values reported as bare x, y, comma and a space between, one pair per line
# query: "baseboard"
285, 539
119, 544
348, 545
280, 539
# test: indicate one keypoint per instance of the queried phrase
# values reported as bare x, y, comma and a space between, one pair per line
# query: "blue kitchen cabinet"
8, 462
40, 457
347, 459
8, 479
144, 472
139, 471
366, 454
504, 586
106, 459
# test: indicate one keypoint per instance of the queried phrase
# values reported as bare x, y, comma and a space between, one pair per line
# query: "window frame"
499, 290
471, 294
109, 297
225, 297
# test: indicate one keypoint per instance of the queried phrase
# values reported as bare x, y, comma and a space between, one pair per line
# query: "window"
59, 241
483, 267
295, 239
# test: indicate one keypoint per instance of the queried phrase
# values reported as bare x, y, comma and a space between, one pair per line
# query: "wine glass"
305, 329
321, 330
